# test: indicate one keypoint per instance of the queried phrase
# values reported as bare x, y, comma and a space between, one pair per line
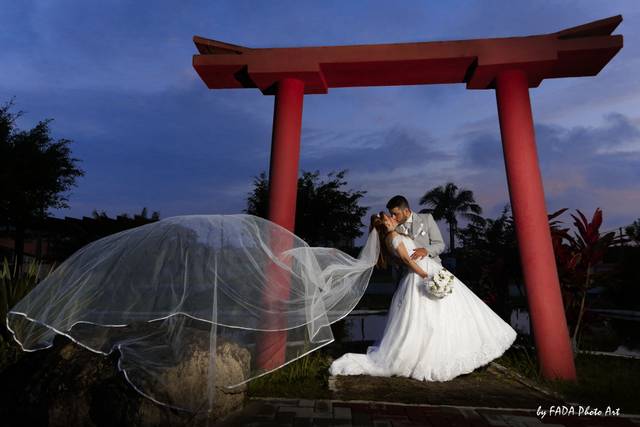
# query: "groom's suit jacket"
425, 232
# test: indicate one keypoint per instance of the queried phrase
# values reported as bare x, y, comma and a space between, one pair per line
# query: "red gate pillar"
532, 226
283, 186
285, 152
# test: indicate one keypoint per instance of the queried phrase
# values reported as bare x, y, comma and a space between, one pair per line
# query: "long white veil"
187, 287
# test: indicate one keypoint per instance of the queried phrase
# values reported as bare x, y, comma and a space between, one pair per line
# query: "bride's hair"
384, 257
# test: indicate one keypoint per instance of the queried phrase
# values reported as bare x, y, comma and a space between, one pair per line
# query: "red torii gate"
509, 65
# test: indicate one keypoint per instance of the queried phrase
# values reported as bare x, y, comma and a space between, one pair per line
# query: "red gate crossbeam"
509, 65
578, 51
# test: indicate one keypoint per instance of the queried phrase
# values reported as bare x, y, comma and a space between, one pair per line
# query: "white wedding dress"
428, 338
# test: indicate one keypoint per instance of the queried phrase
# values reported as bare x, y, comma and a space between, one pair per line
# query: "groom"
422, 228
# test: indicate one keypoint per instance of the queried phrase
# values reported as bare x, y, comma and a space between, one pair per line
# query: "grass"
306, 377
14, 287
10, 353
601, 380
604, 381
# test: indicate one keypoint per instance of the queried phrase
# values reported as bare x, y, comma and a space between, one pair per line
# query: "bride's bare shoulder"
391, 235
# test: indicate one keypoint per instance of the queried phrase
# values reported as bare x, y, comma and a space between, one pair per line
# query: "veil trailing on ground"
194, 303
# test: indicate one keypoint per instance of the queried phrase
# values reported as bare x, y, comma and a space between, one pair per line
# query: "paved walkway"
294, 412
491, 397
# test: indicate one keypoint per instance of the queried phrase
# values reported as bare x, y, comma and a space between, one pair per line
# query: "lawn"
601, 380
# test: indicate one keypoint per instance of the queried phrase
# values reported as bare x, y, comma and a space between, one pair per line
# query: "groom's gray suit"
422, 228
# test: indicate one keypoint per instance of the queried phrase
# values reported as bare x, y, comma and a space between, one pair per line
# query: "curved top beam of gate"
578, 51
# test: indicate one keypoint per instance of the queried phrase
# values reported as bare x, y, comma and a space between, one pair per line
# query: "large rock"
67, 385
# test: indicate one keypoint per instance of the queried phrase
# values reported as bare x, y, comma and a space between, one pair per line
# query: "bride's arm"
404, 256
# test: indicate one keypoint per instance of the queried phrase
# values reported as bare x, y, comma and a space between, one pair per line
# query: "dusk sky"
117, 79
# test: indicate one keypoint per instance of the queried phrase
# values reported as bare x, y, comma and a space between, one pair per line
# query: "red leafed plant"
587, 248
566, 263
566, 258
575, 258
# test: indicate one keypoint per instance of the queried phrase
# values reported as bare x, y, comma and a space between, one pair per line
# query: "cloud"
380, 150
578, 164
483, 150
117, 78
168, 150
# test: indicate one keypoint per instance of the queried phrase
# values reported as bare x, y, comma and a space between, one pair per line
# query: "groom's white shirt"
422, 228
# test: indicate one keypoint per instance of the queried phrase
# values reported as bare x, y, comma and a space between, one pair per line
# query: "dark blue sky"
117, 79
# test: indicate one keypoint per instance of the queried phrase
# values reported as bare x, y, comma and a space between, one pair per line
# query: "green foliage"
14, 286
35, 171
306, 377
138, 219
601, 380
622, 283
488, 260
523, 360
326, 214
447, 202
576, 257
633, 231
77, 234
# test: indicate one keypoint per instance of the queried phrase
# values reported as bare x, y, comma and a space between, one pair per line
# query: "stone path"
492, 397
299, 412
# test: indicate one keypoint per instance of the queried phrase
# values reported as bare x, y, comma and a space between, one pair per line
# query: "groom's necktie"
404, 228
408, 228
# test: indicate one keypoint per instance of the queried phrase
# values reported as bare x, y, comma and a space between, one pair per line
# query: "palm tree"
446, 202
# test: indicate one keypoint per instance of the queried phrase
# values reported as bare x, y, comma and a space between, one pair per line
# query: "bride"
426, 337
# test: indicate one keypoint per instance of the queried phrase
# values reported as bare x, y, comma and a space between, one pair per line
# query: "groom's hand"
419, 253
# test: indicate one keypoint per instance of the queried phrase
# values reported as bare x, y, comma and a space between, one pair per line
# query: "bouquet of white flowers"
441, 284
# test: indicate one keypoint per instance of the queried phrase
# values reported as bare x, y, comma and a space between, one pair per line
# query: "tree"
138, 219
633, 231
446, 202
35, 171
71, 235
326, 214
105, 225
489, 259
